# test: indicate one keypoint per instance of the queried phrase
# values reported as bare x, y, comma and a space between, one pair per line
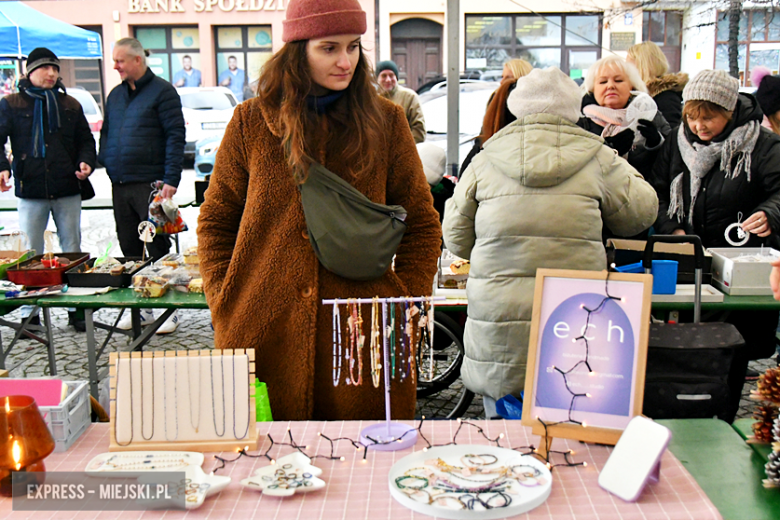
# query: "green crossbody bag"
352, 236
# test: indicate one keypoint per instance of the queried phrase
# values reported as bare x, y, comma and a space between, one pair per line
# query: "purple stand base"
655, 475
401, 436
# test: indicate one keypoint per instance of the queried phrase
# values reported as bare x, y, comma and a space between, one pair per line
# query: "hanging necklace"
376, 367
404, 340
360, 343
431, 324
142, 400
189, 393
234, 399
353, 335
175, 396
337, 355
213, 408
116, 401
424, 341
392, 339
411, 312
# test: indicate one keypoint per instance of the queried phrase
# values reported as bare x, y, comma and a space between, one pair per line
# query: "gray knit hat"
715, 86
546, 91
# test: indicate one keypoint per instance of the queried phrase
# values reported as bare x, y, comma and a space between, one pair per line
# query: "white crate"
68, 420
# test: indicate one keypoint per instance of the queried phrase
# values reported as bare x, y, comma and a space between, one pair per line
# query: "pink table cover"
357, 490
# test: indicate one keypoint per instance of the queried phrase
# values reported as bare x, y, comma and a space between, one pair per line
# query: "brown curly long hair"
355, 125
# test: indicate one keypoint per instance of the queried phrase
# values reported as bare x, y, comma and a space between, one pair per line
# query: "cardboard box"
742, 278
622, 251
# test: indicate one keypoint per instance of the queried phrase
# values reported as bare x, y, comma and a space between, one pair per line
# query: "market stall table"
124, 299
359, 490
726, 468
23, 327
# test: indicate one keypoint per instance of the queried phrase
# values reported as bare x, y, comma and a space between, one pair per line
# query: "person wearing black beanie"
387, 77
768, 95
54, 152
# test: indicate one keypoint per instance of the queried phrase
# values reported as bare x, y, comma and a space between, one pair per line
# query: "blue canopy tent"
22, 29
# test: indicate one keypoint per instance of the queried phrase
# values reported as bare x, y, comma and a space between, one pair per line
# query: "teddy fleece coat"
264, 284
536, 196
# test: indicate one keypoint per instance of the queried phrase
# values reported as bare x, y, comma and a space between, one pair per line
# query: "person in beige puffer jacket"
536, 196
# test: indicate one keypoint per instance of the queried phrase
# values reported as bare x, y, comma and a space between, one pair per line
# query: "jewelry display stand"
192, 400
389, 436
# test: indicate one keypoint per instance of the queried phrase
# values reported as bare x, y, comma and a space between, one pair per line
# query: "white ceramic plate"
527, 487
290, 474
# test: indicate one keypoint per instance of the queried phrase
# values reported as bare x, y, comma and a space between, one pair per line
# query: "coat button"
305, 234
307, 292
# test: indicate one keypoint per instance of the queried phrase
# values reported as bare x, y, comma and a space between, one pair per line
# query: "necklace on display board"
142, 401
116, 402
248, 411
195, 425
213, 402
175, 395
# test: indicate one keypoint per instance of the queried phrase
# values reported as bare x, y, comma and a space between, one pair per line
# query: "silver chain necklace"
116, 402
248, 415
142, 400
175, 395
213, 410
189, 393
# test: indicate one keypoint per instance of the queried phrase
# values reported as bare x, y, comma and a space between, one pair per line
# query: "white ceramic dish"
527, 485
290, 474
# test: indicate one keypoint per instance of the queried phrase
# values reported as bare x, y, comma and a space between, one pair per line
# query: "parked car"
207, 111
441, 81
91, 111
206, 154
474, 97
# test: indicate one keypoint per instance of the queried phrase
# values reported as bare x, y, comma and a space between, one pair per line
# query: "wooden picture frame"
613, 379
222, 375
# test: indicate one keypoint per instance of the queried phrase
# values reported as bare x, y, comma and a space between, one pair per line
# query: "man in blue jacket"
142, 141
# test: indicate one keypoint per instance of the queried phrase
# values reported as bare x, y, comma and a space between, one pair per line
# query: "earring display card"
189, 400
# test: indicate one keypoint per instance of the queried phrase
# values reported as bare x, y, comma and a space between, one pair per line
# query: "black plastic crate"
78, 277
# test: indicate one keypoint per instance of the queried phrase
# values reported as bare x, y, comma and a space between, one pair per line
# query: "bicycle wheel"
466, 396
433, 377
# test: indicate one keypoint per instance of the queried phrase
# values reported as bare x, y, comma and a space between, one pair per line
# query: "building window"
664, 28
759, 42
571, 42
241, 53
175, 53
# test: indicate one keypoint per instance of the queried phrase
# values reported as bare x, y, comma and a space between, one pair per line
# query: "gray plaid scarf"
700, 158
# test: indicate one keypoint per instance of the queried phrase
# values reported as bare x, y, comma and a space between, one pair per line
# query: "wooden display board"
607, 370
191, 400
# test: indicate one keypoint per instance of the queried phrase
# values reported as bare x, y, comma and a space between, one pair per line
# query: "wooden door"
418, 60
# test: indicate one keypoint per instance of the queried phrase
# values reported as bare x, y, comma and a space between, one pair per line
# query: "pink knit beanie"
310, 19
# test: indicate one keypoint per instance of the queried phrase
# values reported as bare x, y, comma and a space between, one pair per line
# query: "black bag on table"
688, 364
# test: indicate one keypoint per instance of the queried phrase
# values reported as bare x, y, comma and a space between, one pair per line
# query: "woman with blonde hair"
616, 107
316, 108
665, 89
515, 69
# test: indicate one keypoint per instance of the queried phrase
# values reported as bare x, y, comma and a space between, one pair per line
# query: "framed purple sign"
587, 353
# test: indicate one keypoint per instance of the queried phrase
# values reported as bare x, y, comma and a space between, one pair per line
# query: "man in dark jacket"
142, 141
53, 149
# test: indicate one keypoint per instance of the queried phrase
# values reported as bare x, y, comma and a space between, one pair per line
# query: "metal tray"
44, 277
77, 277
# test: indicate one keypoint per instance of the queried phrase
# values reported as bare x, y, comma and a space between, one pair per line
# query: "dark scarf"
320, 104
41, 96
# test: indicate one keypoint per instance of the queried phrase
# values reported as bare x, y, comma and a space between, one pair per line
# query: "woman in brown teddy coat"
262, 280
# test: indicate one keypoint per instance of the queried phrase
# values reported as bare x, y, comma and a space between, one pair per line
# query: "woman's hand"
758, 224
774, 279
678, 232
621, 142
649, 132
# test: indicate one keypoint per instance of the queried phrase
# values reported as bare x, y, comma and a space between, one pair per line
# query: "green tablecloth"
129, 299
725, 467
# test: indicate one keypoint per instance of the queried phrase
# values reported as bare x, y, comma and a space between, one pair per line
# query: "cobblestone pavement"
29, 359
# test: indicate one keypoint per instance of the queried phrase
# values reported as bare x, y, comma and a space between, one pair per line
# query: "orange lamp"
25, 440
